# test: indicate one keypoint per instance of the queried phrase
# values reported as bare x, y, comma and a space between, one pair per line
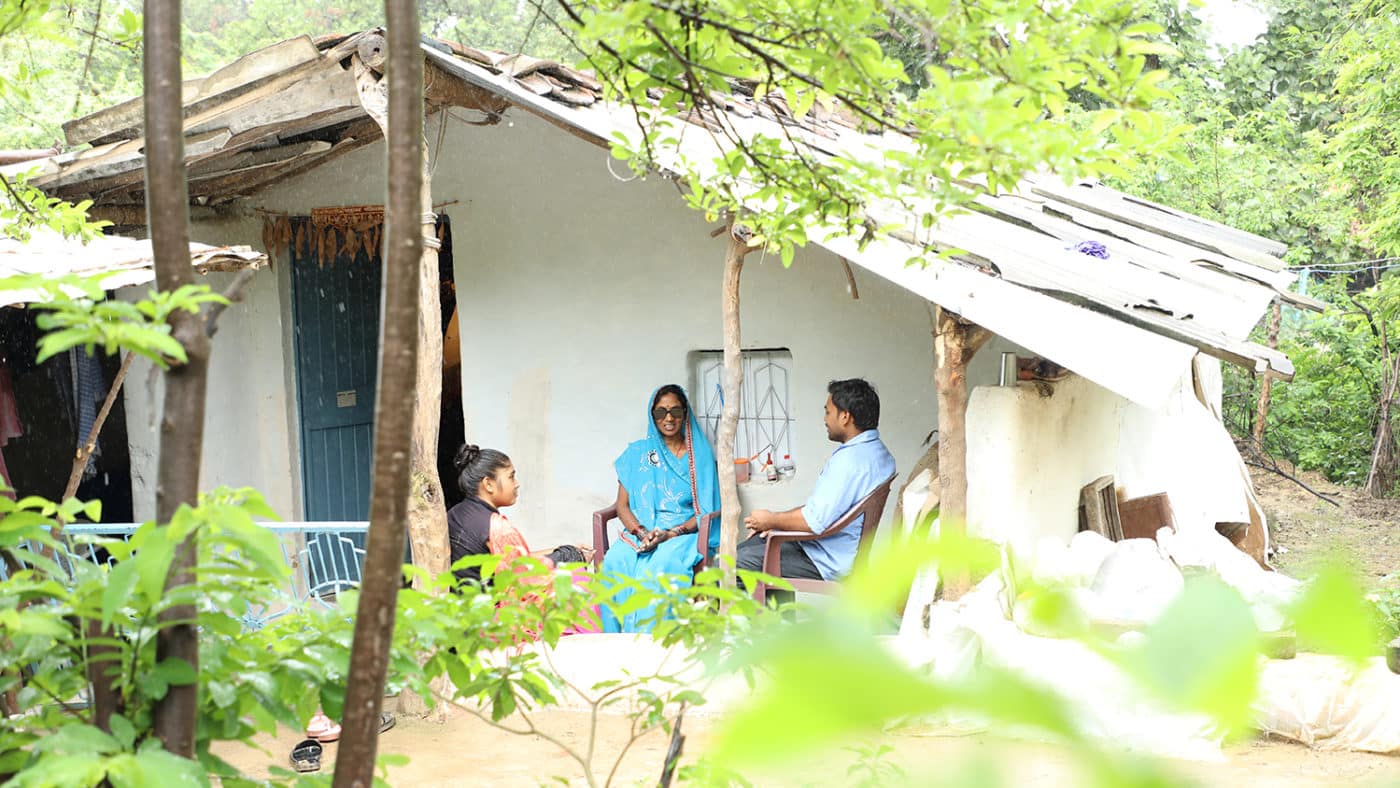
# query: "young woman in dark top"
476, 526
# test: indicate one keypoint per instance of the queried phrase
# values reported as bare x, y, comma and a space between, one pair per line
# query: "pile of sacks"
1124, 586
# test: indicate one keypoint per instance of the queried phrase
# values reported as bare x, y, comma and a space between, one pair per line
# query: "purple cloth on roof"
1091, 248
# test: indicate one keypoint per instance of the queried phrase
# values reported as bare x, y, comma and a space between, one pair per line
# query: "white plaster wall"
142, 394
1028, 457
581, 293
245, 433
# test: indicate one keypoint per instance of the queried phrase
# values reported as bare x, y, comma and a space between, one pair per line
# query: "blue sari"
659, 493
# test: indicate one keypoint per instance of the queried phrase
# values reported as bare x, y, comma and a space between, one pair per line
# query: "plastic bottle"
770, 471
786, 468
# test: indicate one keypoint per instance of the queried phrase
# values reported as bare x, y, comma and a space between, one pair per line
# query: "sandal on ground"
306, 757
322, 728
386, 721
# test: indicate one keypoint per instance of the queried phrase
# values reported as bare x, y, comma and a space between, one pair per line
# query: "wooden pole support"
734, 254
956, 341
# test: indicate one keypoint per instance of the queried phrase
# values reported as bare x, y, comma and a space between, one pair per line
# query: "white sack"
1324, 703
1105, 703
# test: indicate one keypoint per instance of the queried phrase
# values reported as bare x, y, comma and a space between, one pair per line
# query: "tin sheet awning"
117, 260
1170, 284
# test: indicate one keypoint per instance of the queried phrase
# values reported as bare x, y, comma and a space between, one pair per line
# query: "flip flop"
323, 729
306, 757
386, 721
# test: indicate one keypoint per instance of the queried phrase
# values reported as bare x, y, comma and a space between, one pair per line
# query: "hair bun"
466, 455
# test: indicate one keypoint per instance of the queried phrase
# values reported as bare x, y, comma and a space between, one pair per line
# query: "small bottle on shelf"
786, 468
770, 471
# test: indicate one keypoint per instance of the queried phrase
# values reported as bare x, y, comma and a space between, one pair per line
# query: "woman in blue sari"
666, 483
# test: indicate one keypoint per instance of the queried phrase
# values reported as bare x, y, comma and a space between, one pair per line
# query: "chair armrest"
794, 536
702, 539
601, 518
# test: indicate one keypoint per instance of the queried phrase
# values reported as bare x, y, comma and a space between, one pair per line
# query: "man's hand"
588, 552
760, 520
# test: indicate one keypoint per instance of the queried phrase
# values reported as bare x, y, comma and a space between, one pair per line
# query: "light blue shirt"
854, 470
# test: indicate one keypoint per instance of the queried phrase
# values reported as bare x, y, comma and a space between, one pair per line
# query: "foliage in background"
1326, 418
1387, 602
1365, 161
72, 59
1253, 158
1291, 139
79, 56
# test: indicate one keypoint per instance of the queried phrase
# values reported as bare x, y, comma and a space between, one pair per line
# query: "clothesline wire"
1356, 270
1357, 264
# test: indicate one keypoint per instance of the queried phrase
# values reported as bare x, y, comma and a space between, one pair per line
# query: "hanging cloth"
88, 391
10, 425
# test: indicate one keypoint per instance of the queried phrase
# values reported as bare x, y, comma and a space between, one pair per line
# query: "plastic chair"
872, 506
602, 517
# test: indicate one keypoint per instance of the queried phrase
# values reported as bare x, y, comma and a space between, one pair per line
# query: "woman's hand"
655, 537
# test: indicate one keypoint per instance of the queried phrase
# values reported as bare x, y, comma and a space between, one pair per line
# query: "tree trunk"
182, 424
1266, 386
394, 407
955, 342
734, 255
427, 515
1380, 479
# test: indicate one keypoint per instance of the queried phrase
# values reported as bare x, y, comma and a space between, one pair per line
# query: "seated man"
855, 469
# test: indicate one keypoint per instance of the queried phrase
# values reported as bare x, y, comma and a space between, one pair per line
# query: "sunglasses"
677, 413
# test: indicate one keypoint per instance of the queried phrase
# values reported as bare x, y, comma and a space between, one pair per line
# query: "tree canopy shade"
990, 105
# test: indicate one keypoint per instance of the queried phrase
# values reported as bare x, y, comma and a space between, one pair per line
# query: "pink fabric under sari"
507, 541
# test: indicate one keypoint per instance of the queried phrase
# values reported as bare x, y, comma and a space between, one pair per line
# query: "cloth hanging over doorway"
10, 425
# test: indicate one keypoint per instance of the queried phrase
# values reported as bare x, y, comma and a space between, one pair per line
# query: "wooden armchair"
872, 506
602, 517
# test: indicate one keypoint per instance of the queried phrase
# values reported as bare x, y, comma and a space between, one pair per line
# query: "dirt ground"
1306, 530
466, 751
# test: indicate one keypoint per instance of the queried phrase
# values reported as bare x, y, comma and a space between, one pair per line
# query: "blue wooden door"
335, 320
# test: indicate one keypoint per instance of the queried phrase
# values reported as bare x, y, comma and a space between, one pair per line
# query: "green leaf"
120, 583
78, 739
152, 685
222, 693
156, 767
123, 731
176, 672
33, 621
1201, 654
152, 562
1333, 617
77, 769
871, 688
